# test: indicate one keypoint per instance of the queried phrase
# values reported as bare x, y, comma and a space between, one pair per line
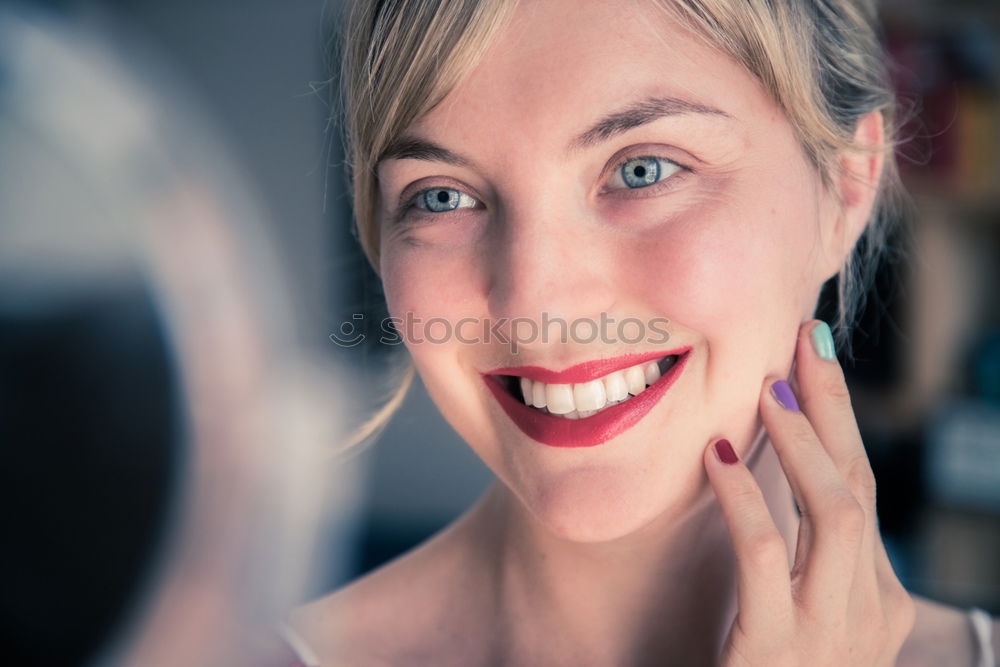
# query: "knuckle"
786, 656
800, 431
907, 617
901, 609
878, 626
765, 548
847, 518
861, 479
748, 498
883, 623
835, 389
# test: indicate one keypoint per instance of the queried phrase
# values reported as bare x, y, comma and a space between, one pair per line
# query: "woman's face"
601, 164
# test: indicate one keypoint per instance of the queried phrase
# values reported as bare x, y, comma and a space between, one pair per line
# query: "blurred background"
174, 231
168, 400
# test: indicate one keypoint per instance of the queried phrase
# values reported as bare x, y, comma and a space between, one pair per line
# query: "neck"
667, 590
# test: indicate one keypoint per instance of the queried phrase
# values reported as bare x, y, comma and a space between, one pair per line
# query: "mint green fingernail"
823, 342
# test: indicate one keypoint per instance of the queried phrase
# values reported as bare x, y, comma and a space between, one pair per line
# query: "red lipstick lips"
585, 372
590, 431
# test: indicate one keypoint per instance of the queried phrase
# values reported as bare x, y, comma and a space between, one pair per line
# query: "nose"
549, 265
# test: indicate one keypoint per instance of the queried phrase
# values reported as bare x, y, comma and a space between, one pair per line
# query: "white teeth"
589, 395
559, 398
615, 387
538, 394
635, 379
581, 400
526, 393
651, 372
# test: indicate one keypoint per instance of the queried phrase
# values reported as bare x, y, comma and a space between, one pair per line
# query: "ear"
856, 186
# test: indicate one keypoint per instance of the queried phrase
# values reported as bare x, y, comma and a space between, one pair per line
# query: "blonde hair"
821, 61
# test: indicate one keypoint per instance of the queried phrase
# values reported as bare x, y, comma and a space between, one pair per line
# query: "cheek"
427, 289
736, 274
705, 272
428, 303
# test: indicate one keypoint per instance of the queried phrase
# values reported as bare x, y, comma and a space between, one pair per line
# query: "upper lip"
586, 371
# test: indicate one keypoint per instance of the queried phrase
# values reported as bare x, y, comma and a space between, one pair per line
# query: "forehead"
559, 65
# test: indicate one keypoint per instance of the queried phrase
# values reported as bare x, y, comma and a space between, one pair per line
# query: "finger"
826, 403
763, 583
825, 567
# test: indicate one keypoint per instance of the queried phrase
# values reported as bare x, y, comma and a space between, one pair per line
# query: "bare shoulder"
942, 636
412, 611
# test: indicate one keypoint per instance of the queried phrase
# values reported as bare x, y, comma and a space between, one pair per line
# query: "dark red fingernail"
725, 451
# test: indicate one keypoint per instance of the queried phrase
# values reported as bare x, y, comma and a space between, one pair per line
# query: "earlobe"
859, 173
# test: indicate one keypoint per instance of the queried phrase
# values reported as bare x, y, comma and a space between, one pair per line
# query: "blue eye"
641, 172
442, 200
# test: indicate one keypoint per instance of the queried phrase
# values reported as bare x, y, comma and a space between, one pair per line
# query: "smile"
589, 403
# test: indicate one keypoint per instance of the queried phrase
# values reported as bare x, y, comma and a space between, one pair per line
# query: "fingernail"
823, 341
783, 394
725, 452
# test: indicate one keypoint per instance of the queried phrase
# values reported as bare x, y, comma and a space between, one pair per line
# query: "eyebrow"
412, 148
408, 147
640, 113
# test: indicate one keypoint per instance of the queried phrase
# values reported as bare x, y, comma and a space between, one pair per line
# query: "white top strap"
302, 650
982, 628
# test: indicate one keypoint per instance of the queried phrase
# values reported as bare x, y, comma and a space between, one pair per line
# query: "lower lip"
588, 431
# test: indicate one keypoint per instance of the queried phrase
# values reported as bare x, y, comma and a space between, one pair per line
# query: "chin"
596, 504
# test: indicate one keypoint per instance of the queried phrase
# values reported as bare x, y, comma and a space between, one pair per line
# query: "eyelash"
409, 203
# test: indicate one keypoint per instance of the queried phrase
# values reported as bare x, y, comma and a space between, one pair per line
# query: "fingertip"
782, 392
803, 343
807, 327
774, 389
724, 452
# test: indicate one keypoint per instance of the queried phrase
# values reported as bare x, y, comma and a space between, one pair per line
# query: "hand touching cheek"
839, 602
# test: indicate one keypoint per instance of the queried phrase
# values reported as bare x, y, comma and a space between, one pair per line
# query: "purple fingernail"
783, 394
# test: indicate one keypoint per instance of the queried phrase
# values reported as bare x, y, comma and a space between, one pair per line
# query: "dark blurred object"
89, 425
923, 385
169, 433
947, 63
986, 367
